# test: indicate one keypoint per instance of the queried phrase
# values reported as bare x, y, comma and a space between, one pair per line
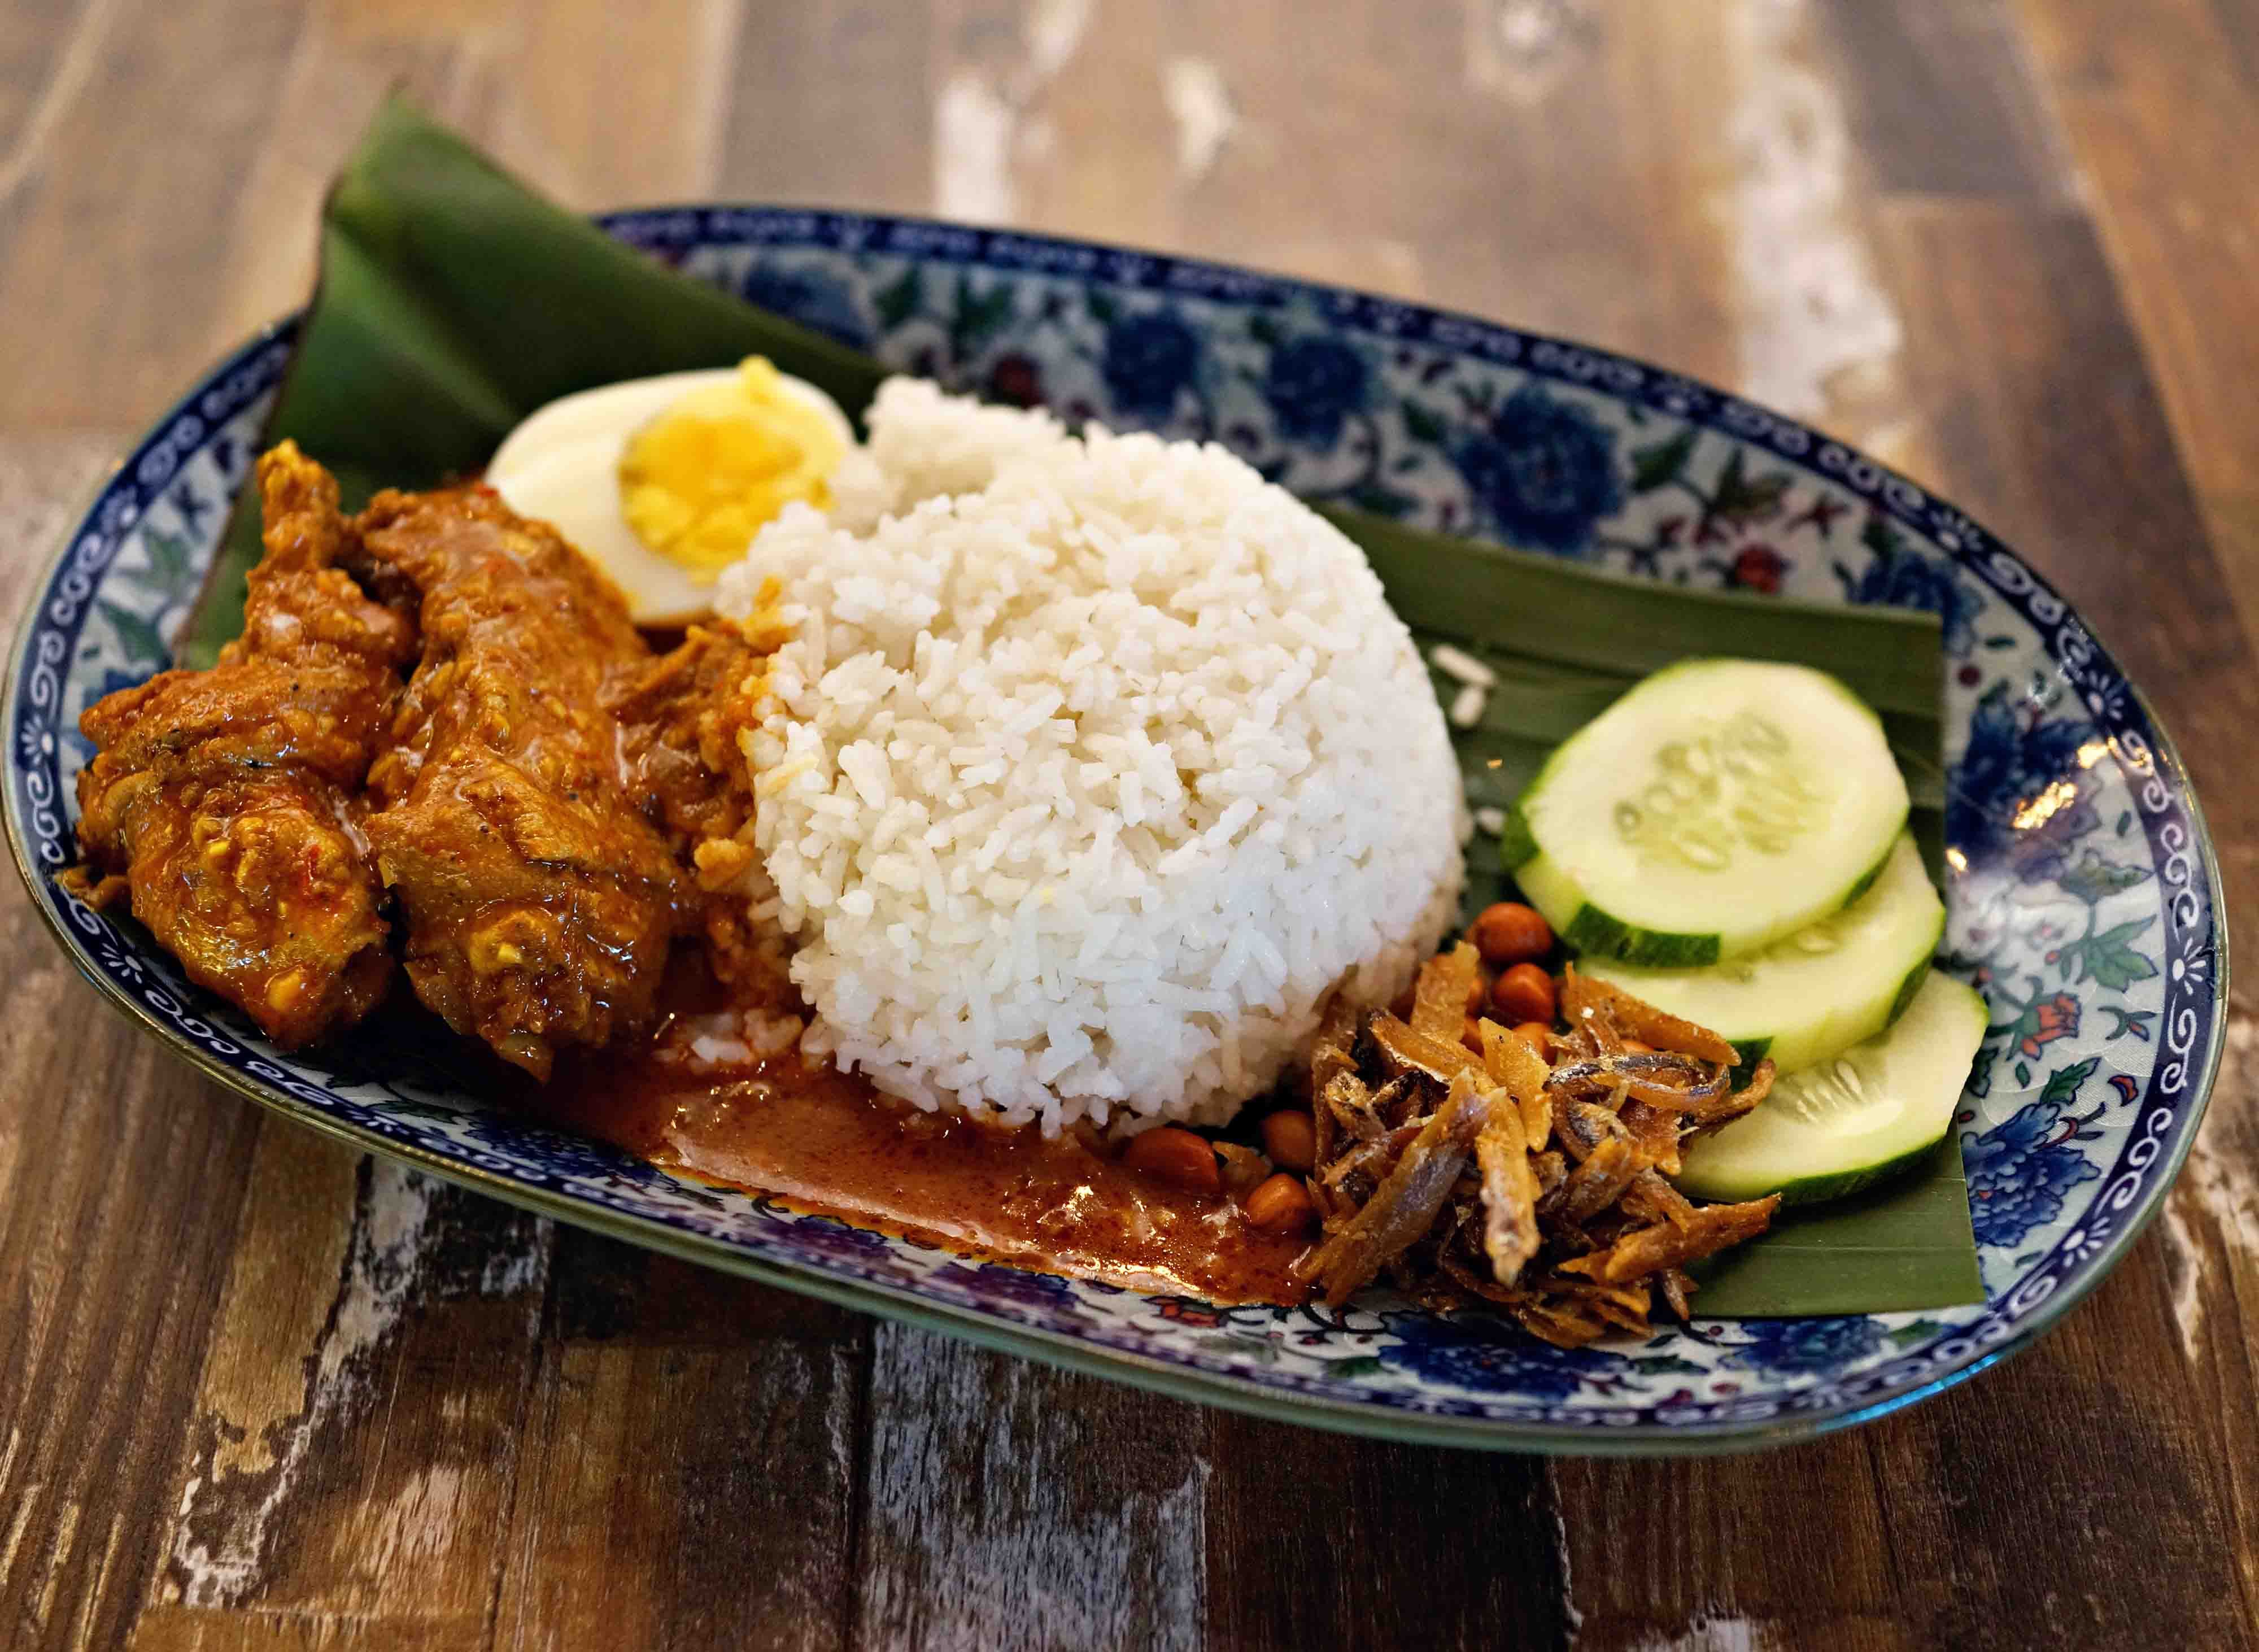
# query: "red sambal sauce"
826, 1141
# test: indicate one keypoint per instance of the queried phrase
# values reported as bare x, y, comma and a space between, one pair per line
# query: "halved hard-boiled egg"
662, 483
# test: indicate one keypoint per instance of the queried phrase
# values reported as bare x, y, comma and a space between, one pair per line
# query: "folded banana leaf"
1565, 639
452, 302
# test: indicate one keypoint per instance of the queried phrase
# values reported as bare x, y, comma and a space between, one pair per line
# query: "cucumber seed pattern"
1723, 789
1829, 1092
1814, 940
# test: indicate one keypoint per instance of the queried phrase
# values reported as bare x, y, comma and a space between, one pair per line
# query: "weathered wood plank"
1940, 102
686, 1476
352, 1448
114, 1237
187, 160
341, 65
1006, 1504
2061, 442
128, 180
684, 1469
2037, 416
1317, 1540
2049, 427
1790, 1548
648, 126
2160, 105
510, 73
119, 1176
829, 104
2025, 394
2089, 1444
1817, 330
427, 1420
1695, 1554
46, 48
1448, 154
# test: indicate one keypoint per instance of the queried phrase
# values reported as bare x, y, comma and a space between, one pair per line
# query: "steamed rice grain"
1090, 772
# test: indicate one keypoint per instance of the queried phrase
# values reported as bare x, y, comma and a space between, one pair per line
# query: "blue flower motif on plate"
2020, 790
1809, 1345
816, 299
836, 1238
1544, 472
1150, 361
1473, 1350
1902, 577
991, 1282
2019, 1172
1313, 384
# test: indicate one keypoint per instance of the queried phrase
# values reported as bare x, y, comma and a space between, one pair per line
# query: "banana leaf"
452, 302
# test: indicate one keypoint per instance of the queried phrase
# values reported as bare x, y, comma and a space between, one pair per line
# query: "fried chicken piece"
680, 719
680, 724
539, 899
224, 805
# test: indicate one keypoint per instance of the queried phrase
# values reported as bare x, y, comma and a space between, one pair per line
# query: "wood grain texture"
255, 1391
830, 103
101, 1133
690, 1459
1315, 1541
1008, 1505
2025, 394
2161, 109
98, 192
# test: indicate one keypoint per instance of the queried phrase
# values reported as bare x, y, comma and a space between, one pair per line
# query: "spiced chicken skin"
538, 898
224, 806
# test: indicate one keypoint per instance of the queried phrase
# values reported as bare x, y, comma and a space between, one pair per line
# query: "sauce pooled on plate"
826, 1141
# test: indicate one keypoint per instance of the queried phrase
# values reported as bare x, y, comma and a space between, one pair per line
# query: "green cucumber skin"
1590, 930
1594, 930
1702, 1177
1517, 845
1912, 984
1900, 1002
1752, 1051
1811, 1190
1867, 881
1805, 1027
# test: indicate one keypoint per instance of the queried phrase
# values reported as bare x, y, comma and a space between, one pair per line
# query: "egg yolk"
699, 481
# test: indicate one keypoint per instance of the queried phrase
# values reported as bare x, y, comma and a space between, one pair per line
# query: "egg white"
562, 465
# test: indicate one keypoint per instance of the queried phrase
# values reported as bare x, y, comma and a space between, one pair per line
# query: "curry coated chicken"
519, 801
681, 720
225, 805
538, 899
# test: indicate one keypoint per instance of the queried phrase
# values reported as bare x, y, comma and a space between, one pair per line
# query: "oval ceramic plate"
2083, 899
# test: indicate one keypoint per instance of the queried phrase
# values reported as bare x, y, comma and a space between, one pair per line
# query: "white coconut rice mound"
1084, 790
925, 444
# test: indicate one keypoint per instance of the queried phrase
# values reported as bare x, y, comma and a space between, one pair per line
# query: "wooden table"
255, 1392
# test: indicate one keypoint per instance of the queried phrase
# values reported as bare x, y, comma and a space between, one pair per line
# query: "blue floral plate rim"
986, 1325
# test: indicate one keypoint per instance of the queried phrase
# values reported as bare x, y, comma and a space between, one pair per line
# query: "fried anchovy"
1649, 1078
1404, 1207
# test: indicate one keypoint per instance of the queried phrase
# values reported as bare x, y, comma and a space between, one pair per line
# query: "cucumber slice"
1720, 805
1873, 1111
1815, 993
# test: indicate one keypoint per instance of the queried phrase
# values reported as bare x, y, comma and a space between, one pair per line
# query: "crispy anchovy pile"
1535, 1183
